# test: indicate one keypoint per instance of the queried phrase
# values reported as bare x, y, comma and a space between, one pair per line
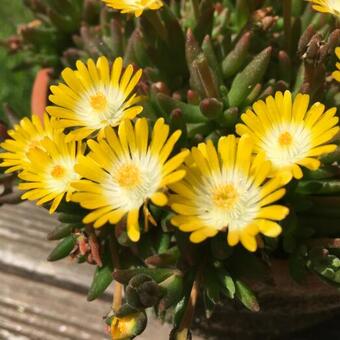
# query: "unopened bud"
211, 107
160, 87
192, 97
142, 292
305, 39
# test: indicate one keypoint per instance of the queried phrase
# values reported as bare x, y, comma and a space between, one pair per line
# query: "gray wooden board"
42, 300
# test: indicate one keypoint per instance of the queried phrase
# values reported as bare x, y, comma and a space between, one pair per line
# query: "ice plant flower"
227, 189
134, 6
327, 6
123, 172
290, 134
50, 172
127, 327
95, 97
25, 136
336, 74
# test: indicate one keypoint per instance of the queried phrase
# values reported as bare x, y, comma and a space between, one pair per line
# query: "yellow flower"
134, 6
227, 189
290, 134
24, 136
336, 74
95, 97
327, 6
129, 326
49, 174
123, 172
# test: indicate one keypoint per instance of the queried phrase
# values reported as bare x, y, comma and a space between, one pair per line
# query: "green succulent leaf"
63, 248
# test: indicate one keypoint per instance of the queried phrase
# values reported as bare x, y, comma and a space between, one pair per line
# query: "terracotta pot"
40, 92
286, 307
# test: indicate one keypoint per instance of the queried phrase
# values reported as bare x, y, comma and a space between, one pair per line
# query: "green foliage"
15, 83
63, 248
102, 277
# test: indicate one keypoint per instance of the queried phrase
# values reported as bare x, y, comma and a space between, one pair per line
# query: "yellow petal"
310, 163
133, 225
273, 212
248, 241
269, 228
243, 154
198, 236
233, 237
159, 198
273, 197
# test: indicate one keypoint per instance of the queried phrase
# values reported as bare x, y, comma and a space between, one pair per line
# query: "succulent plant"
209, 68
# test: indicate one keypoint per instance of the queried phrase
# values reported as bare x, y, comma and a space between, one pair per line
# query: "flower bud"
142, 292
211, 107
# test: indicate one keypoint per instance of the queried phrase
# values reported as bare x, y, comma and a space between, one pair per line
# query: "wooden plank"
38, 311
46, 300
24, 248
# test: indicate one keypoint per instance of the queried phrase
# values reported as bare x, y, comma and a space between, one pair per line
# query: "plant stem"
117, 296
190, 308
287, 15
118, 287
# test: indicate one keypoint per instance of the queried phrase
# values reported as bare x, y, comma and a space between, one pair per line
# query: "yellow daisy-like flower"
123, 172
227, 189
95, 97
327, 6
124, 327
336, 74
134, 6
290, 134
49, 174
25, 136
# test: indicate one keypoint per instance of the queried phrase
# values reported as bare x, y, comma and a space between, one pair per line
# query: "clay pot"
286, 308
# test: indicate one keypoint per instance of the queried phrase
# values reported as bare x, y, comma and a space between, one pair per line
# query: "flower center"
128, 176
333, 5
98, 102
58, 171
285, 139
225, 196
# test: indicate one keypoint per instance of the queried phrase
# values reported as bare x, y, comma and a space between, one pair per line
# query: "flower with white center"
94, 97
25, 136
134, 6
327, 6
288, 133
227, 189
50, 172
121, 173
